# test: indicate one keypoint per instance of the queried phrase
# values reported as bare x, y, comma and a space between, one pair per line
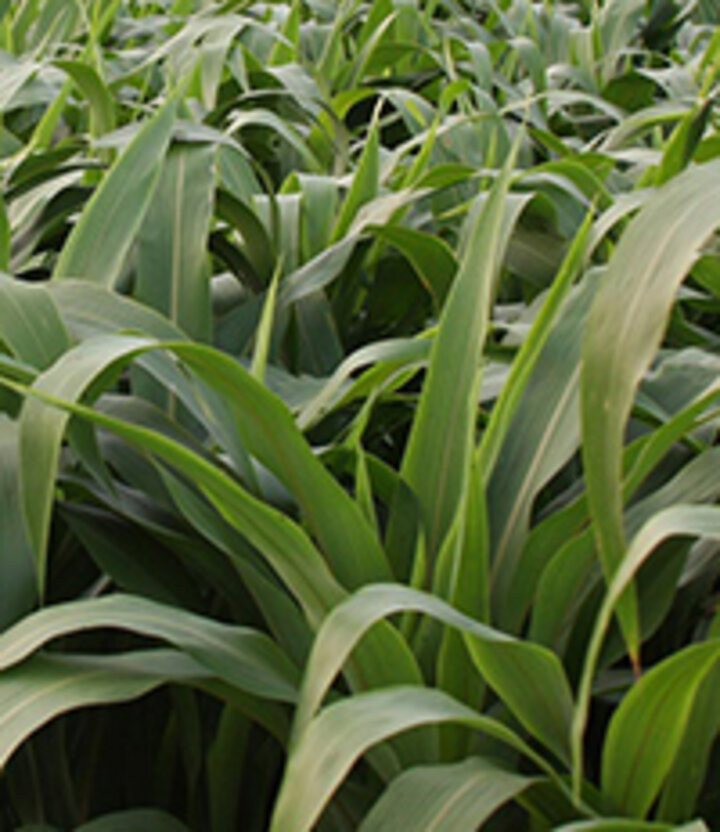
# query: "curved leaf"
90, 84
264, 426
43, 687
383, 658
30, 324
624, 331
139, 820
341, 733
702, 521
647, 729
241, 656
527, 677
430, 798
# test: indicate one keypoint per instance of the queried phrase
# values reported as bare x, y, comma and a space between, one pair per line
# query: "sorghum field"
359, 406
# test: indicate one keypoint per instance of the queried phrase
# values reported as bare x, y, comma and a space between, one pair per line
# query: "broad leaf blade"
630, 748
382, 660
437, 457
172, 242
241, 656
97, 246
38, 690
42, 430
527, 677
30, 324
646, 731
343, 732
624, 331
102, 105
458, 797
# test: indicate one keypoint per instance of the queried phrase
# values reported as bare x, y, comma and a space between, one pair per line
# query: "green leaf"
364, 187
647, 729
91, 85
319, 209
618, 825
14, 79
687, 775
431, 257
118, 547
267, 429
624, 331
30, 324
42, 430
319, 349
334, 740
89, 310
565, 551
528, 678
5, 236
383, 659
256, 243
43, 687
542, 435
97, 246
283, 617
639, 757
263, 336
225, 761
263, 424
241, 656
388, 356
284, 128
285, 51
682, 143
529, 353
460, 797
439, 449
273, 533
172, 241
18, 592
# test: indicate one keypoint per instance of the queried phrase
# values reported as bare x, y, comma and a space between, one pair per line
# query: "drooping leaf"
652, 258
527, 678
43, 687
42, 430
30, 324
282, 542
341, 733
239, 655
102, 105
459, 797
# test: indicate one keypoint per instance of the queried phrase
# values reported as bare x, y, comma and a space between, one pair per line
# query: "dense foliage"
359, 390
